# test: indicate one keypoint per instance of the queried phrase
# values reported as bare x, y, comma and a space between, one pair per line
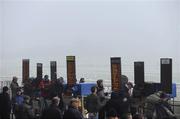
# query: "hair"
93, 89
74, 100
112, 113
14, 78
55, 100
137, 116
5, 88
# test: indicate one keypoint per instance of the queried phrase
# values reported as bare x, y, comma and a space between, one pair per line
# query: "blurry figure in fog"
82, 80
5, 104
14, 87
101, 96
53, 112
73, 111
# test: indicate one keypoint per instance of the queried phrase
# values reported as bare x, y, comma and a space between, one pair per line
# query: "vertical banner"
116, 73
39, 71
166, 75
53, 70
71, 70
25, 70
139, 73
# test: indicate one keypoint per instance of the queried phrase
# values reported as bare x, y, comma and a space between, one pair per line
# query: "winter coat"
14, 87
5, 106
27, 111
53, 112
72, 113
93, 103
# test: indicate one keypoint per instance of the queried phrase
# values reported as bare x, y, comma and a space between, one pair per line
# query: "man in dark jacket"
73, 112
118, 102
5, 104
26, 109
93, 103
53, 112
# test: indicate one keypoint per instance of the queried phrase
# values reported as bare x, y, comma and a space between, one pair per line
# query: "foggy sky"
93, 31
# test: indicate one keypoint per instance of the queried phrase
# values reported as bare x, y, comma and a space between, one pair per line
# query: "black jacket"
5, 105
72, 113
53, 112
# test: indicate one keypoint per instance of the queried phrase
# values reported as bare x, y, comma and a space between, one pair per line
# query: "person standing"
26, 109
17, 104
5, 104
101, 96
73, 112
53, 112
92, 103
14, 87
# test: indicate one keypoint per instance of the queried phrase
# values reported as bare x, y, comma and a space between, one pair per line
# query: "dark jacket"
93, 103
5, 105
72, 113
119, 103
53, 112
27, 111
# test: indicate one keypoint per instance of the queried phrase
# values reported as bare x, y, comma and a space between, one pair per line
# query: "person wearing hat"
73, 112
5, 104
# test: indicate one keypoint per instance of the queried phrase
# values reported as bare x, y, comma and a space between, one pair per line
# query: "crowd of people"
44, 99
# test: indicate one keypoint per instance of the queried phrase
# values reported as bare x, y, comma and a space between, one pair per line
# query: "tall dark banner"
25, 70
166, 75
116, 73
71, 70
139, 73
53, 70
39, 70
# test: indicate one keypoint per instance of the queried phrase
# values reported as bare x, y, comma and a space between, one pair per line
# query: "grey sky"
93, 31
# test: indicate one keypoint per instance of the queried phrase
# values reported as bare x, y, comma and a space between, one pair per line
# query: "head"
61, 80
128, 116
46, 77
5, 89
94, 89
55, 101
82, 80
26, 99
15, 79
130, 85
100, 83
19, 92
112, 114
137, 116
74, 102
